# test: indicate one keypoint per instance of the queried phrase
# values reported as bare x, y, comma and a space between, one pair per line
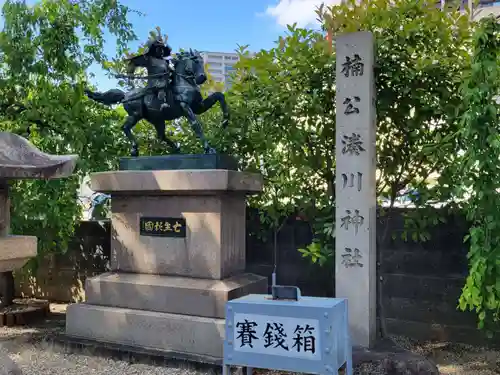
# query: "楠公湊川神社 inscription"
352, 220
348, 180
284, 336
350, 108
353, 66
352, 144
351, 258
355, 183
162, 227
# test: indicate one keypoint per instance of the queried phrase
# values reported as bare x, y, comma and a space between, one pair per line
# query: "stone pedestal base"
177, 256
165, 313
171, 294
170, 333
16, 251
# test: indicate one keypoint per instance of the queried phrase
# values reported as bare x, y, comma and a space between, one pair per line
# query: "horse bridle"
188, 77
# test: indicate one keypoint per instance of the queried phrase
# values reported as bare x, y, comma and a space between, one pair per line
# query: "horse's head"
190, 63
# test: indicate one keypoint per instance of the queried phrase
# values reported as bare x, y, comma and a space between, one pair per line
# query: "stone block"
4, 209
214, 246
19, 159
170, 333
178, 162
171, 294
15, 251
176, 182
355, 184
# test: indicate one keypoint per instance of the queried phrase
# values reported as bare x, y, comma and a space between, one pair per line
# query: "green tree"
45, 51
477, 174
284, 110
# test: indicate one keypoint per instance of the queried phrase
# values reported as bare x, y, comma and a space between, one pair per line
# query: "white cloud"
287, 12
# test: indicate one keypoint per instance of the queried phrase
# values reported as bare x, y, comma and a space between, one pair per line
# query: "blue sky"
217, 25
213, 25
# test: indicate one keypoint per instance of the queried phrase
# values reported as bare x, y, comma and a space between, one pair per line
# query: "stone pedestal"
178, 255
19, 159
15, 251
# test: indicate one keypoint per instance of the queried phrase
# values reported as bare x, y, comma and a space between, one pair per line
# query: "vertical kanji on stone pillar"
355, 196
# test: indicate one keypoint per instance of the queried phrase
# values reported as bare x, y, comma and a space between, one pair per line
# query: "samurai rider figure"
157, 60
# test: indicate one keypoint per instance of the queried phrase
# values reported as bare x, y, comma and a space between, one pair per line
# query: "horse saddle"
150, 96
136, 94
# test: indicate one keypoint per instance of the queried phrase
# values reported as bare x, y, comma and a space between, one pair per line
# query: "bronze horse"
185, 101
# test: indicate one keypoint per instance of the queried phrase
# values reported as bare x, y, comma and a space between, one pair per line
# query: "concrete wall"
62, 277
421, 282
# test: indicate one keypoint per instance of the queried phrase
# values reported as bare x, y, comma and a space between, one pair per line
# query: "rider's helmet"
153, 45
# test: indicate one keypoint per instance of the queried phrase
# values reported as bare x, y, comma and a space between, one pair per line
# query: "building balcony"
486, 8
482, 9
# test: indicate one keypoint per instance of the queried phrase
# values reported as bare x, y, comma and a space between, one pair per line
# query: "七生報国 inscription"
162, 227
276, 335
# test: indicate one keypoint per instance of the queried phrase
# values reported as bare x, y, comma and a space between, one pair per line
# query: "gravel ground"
41, 357
456, 359
31, 350
36, 354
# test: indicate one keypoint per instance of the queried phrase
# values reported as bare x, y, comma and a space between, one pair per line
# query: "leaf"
478, 173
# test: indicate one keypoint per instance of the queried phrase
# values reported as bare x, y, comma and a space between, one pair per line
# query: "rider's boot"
163, 97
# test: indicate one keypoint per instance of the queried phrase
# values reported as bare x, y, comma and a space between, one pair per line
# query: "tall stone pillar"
355, 186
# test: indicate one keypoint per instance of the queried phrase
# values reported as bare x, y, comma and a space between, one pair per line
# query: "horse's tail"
109, 97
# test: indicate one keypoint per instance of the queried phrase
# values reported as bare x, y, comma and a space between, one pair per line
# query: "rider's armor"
154, 60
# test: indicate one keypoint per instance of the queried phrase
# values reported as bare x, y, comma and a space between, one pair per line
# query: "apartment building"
486, 8
220, 65
480, 9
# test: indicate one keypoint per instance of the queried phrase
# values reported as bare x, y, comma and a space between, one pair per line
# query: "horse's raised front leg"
127, 127
209, 101
196, 126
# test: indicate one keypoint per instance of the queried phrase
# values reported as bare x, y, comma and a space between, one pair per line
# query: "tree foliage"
284, 109
479, 172
435, 134
45, 51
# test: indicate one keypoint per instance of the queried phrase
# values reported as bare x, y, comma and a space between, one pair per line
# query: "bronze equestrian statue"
172, 92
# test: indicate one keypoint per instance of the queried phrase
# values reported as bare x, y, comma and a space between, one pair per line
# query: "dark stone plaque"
177, 162
163, 227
